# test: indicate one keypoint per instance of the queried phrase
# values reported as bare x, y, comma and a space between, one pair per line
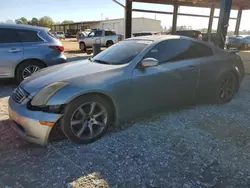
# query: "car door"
93, 37
33, 45
172, 82
11, 52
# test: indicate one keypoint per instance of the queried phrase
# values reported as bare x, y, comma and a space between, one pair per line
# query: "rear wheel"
86, 119
109, 43
226, 88
82, 46
28, 68
244, 47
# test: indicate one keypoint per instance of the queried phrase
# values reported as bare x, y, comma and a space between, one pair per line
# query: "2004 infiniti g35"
125, 80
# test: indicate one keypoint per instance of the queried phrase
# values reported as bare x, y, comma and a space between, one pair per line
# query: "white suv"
60, 35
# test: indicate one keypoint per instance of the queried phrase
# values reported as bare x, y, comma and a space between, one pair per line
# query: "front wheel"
226, 88
86, 119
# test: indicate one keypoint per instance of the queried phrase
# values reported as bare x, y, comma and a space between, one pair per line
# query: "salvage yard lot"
203, 146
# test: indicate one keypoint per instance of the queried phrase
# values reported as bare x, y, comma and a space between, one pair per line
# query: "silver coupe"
126, 80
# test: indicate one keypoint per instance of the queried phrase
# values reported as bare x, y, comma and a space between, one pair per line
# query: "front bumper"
27, 122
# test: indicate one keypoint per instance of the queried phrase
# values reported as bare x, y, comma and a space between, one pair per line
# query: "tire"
243, 47
227, 87
73, 114
27, 64
82, 46
109, 43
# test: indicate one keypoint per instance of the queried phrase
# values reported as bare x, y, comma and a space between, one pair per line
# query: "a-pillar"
237, 27
174, 22
225, 8
210, 23
128, 18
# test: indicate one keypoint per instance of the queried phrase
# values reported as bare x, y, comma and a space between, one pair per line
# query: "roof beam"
179, 14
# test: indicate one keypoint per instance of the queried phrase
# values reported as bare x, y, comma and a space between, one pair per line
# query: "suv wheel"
82, 46
27, 68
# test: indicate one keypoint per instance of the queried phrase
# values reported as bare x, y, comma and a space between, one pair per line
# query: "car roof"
22, 26
157, 37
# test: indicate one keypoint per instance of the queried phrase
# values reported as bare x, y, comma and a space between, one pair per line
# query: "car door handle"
14, 50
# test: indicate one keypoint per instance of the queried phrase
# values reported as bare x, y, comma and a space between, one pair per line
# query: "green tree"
22, 20
67, 22
46, 21
34, 21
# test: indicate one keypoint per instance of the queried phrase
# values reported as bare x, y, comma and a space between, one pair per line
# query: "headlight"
42, 97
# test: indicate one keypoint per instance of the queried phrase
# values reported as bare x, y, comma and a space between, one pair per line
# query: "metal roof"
236, 4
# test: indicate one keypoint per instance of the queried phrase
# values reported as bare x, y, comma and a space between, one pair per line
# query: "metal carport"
224, 5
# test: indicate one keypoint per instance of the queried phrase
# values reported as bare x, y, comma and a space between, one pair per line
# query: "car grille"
19, 95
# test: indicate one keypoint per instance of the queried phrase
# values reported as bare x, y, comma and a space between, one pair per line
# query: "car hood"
64, 72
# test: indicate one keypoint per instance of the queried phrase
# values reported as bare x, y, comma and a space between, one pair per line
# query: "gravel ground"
204, 146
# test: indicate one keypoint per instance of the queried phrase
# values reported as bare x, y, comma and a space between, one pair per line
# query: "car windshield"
122, 52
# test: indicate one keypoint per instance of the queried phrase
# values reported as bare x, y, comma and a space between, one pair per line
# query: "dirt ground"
203, 146
70, 45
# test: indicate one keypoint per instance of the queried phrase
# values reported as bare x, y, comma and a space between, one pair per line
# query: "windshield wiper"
101, 61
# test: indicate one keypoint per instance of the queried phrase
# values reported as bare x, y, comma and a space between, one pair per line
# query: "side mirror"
149, 62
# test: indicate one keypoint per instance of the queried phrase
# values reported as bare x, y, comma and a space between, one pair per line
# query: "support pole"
210, 23
225, 8
64, 30
128, 19
174, 23
237, 27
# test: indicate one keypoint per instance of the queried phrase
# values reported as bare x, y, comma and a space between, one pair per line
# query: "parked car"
123, 81
68, 35
105, 37
240, 42
189, 33
26, 49
60, 35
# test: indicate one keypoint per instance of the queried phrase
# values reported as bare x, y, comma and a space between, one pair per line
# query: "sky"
88, 10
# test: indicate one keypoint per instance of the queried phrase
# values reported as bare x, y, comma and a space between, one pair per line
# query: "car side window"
29, 36
98, 33
109, 33
8, 36
92, 34
178, 49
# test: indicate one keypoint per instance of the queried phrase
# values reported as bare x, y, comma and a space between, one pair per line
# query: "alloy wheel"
227, 88
89, 120
29, 70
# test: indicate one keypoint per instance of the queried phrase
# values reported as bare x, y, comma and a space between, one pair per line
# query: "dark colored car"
189, 33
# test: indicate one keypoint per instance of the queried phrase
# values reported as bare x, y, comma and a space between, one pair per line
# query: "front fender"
69, 93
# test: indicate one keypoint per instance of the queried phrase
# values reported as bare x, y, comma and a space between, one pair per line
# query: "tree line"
45, 21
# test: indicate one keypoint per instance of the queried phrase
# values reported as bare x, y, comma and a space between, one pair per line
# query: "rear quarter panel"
41, 50
213, 68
